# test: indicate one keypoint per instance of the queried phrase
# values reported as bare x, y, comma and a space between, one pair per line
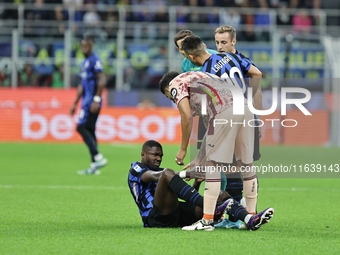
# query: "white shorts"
223, 140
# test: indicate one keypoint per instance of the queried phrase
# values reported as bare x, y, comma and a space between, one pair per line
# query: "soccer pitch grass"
46, 208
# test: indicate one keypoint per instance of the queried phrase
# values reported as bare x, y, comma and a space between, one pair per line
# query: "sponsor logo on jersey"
174, 93
137, 168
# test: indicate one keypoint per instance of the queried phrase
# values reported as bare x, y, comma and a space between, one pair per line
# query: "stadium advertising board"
42, 115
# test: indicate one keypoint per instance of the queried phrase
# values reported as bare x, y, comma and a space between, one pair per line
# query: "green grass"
46, 208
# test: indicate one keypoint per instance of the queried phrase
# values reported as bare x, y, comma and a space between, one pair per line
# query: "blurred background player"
221, 141
93, 82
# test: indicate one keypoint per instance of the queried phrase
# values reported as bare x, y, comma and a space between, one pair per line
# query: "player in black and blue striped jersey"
156, 191
225, 40
226, 65
93, 81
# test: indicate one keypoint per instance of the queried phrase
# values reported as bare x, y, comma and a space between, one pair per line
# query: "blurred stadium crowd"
95, 11
146, 20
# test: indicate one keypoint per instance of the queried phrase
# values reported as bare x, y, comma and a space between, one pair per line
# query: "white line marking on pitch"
122, 145
61, 187
126, 187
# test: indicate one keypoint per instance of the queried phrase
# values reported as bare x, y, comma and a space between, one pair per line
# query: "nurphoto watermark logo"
239, 104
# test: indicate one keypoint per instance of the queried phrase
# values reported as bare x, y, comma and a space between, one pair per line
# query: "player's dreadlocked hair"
166, 79
150, 144
182, 34
193, 45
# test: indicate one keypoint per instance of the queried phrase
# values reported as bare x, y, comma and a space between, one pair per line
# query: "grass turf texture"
46, 208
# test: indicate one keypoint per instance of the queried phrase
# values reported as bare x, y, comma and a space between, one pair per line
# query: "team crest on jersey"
174, 93
137, 168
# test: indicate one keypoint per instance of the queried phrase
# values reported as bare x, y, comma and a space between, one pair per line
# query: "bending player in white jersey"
187, 91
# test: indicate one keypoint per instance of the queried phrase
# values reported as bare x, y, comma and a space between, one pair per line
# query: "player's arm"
258, 105
255, 75
197, 183
151, 176
258, 99
101, 77
185, 112
79, 93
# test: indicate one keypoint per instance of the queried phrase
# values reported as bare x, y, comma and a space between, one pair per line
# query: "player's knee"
168, 174
80, 128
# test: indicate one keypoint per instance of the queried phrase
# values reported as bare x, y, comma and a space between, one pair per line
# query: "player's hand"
72, 110
200, 180
180, 157
94, 107
192, 164
260, 132
197, 173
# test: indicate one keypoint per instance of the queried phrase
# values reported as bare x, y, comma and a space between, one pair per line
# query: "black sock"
238, 211
234, 188
185, 191
89, 139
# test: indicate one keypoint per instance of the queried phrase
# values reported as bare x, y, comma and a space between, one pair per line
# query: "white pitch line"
300, 189
61, 187
126, 187
122, 145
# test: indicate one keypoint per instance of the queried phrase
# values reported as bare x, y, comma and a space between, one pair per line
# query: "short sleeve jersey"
229, 66
143, 193
89, 69
188, 66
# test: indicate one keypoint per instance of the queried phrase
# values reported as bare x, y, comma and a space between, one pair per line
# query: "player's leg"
257, 154
235, 186
170, 187
165, 199
84, 129
97, 159
244, 150
252, 222
201, 132
220, 142
249, 186
211, 192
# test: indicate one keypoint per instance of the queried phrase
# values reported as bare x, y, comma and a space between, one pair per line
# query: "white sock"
250, 194
98, 157
247, 218
211, 192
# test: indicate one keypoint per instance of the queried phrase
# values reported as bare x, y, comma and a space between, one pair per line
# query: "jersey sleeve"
136, 171
98, 66
245, 65
179, 89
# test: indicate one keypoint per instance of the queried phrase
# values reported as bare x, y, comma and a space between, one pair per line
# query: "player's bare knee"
168, 174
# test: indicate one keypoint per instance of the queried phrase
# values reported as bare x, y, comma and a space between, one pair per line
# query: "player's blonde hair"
224, 29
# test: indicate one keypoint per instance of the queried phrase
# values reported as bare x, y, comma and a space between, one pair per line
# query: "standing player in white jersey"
221, 140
